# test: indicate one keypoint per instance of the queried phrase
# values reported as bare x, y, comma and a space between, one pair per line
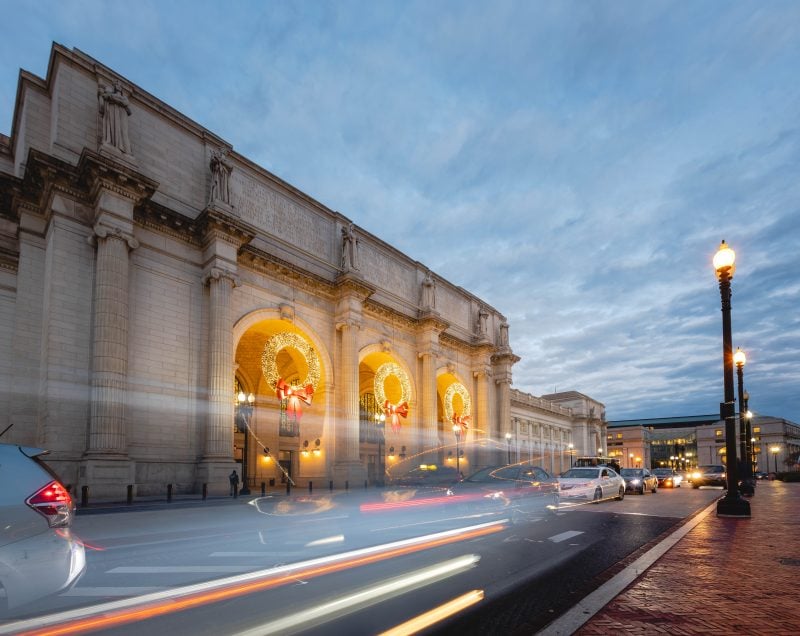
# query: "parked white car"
38, 554
591, 484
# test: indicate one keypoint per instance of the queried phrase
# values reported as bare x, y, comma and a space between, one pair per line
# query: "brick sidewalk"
726, 576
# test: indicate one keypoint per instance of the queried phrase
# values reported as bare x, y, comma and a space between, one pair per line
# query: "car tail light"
54, 503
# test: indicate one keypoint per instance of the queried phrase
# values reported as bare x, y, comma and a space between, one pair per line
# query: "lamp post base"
733, 507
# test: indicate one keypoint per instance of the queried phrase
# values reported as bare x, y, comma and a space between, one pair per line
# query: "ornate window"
371, 424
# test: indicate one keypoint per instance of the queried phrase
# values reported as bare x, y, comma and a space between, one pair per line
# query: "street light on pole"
748, 487
732, 504
775, 450
570, 446
245, 403
508, 447
457, 433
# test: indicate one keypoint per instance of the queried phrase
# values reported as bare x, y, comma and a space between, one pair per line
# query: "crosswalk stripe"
558, 538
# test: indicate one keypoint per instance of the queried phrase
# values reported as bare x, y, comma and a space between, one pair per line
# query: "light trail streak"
364, 598
437, 614
117, 613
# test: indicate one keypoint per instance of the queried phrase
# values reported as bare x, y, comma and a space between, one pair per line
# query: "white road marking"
110, 591
250, 555
181, 569
558, 538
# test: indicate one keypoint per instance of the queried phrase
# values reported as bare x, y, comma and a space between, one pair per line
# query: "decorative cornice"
269, 265
161, 219
375, 309
216, 223
217, 274
350, 284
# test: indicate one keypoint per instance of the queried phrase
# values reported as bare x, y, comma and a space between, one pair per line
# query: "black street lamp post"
245, 404
748, 487
732, 504
457, 433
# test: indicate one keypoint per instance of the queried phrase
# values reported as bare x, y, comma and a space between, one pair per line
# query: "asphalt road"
324, 566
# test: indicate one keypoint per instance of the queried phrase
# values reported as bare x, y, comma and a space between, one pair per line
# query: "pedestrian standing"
234, 479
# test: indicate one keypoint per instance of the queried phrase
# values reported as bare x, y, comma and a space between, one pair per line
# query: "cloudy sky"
575, 164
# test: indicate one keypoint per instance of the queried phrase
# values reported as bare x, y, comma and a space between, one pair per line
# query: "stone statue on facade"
483, 322
428, 292
349, 248
114, 112
503, 334
221, 169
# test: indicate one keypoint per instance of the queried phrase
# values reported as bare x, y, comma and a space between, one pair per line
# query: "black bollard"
84, 496
205, 491
169, 492
365, 484
310, 487
288, 487
330, 485
130, 494
263, 488
347, 484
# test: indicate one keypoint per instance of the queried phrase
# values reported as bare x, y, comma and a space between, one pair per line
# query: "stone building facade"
169, 310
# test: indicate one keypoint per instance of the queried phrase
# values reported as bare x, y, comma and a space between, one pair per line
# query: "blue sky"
575, 164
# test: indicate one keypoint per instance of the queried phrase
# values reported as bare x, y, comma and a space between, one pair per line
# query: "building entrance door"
285, 462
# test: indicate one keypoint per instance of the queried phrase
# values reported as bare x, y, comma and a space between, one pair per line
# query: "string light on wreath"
393, 412
456, 388
289, 340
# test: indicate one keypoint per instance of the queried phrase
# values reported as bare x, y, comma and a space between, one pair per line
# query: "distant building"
685, 442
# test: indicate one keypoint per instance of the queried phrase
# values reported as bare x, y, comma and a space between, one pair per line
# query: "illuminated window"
718, 432
756, 429
619, 435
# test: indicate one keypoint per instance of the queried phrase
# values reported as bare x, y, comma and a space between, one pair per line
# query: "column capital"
219, 273
101, 232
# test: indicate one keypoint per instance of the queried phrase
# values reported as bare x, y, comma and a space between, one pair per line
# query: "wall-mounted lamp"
304, 452
402, 452
391, 452
267, 457
317, 449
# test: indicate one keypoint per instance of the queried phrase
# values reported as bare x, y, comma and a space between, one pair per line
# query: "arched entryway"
385, 412
281, 437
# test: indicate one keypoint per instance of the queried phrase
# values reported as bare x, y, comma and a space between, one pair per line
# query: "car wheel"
695, 486
598, 495
621, 495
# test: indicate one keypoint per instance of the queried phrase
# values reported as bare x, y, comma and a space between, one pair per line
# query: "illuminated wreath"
452, 390
383, 372
283, 340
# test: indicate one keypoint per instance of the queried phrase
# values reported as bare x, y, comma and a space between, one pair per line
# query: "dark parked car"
516, 490
668, 478
639, 480
38, 555
435, 476
712, 475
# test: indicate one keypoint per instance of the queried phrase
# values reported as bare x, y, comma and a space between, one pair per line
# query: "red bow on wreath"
295, 395
394, 413
462, 422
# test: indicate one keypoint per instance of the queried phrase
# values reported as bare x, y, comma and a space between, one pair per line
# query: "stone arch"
280, 429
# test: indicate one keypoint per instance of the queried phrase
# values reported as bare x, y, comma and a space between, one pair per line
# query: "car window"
580, 473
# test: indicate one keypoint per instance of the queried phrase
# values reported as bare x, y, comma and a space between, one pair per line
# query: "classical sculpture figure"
503, 334
114, 111
221, 169
428, 291
483, 318
349, 248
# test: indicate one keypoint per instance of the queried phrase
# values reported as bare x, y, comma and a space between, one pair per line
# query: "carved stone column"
107, 435
430, 326
482, 427
219, 429
223, 235
346, 463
